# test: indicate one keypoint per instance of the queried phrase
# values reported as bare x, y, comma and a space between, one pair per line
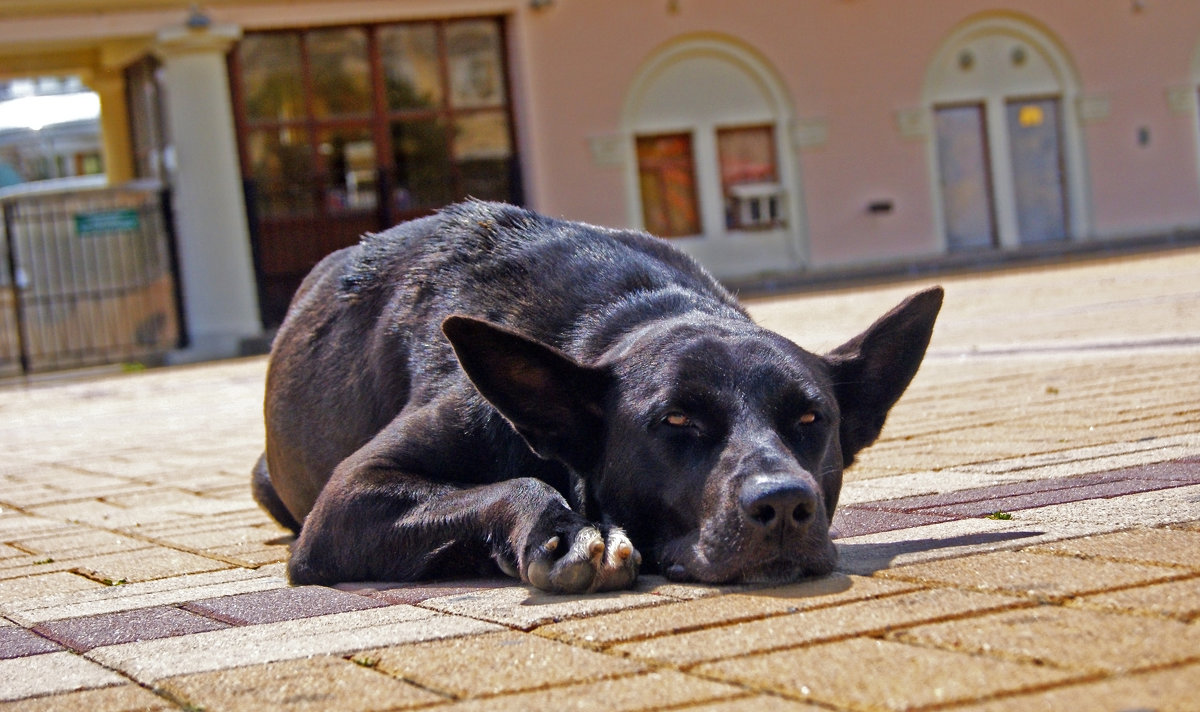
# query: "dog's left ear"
553, 402
871, 371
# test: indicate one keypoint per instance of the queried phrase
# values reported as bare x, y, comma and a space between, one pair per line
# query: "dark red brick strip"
413, 593
280, 604
907, 512
19, 642
83, 634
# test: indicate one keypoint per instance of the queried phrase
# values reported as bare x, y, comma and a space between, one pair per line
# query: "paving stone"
666, 689
858, 618
413, 593
97, 599
145, 564
45, 584
969, 500
51, 673
870, 553
1039, 575
900, 677
82, 539
251, 555
1164, 547
118, 698
496, 663
1082, 640
691, 615
280, 604
1043, 498
83, 634
1148, 509
316, 684
856, 521
1170, 690
104, 515
660, 586
17, 642
18, 524
1174, 599
758, 703
11, 552
151, 660
526, 608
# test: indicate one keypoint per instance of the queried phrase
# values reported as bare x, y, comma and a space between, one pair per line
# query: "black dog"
593, 389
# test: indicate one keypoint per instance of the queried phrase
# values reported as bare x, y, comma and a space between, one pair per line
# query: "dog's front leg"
377, 523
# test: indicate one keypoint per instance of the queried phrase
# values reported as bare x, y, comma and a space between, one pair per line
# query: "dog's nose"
771, 501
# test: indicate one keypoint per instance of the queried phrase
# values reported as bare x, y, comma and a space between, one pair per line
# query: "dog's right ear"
871, 370
555, 403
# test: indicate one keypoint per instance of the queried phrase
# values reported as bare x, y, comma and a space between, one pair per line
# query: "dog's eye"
807, 419
678, 420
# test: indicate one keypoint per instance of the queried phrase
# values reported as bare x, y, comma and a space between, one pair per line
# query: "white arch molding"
698, 84
988, 61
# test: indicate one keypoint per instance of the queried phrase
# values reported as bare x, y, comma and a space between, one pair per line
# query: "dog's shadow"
861, 559
867, 558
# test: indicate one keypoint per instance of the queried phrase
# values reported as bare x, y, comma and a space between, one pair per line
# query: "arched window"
1006, 146
712, 165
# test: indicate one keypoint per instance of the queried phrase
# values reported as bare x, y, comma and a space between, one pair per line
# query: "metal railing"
88, 278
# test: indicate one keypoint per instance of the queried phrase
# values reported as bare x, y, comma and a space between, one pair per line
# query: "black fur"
491, 387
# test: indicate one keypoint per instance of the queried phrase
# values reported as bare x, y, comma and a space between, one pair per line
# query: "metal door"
1035, 146
962, 154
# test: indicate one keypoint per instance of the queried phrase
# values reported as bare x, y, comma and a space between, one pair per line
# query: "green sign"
107, 221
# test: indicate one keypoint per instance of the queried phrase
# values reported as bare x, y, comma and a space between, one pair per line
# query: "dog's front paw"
583, 561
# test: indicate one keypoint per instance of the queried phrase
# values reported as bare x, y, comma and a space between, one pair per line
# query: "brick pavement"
1026, 535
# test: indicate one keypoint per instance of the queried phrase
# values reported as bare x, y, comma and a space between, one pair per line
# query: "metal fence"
88, 279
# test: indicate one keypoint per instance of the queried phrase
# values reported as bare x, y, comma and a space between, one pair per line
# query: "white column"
220, 299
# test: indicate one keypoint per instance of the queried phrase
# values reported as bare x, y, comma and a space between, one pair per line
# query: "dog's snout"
773, 501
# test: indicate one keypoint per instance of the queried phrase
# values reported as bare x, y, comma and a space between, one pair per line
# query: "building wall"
853, 66
854, 74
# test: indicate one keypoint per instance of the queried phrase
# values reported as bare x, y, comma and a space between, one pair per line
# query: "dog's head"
718, 445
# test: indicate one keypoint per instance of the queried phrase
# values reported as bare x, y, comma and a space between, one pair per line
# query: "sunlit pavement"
1026, 535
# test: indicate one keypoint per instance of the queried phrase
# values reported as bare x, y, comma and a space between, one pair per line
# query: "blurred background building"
780, 137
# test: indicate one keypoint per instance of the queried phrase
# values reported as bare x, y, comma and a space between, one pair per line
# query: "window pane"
475, 65
421, 164
281, 167
668, 182
410, 66
348, 159
746, 155
749, 177
341, 74
271, 78
483, 152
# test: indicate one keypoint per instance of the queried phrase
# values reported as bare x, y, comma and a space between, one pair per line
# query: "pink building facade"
782, 136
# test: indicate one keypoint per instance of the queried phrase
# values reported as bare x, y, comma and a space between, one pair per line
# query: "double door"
1001, 186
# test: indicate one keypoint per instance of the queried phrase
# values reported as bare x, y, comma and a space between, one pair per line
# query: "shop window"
667, 176
750, 178
346, 130
315, 138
